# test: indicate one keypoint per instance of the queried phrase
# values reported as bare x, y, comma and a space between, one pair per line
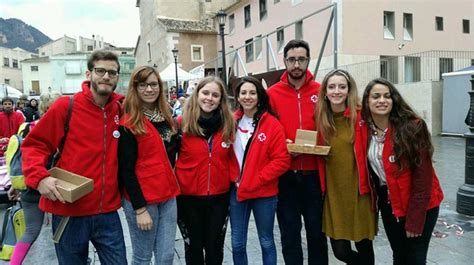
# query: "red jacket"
360, 153
9, 123
90, 150
204, 169
153, 169
409, 196
295, 110
266, 160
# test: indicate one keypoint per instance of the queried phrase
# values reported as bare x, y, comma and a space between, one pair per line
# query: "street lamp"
175, 55
465, 194
221, 17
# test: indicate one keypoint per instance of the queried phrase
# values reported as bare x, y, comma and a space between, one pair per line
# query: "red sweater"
411, 192
266, 160
90, 151
205, 168
295, 110
9, 123
152, 167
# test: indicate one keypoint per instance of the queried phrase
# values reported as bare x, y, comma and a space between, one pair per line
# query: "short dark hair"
102, 55
296, 44
7, 98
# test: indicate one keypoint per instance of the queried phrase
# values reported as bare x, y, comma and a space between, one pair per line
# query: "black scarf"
212, 124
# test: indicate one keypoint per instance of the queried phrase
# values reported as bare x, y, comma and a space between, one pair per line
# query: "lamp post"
221, 17
175, 55
465, 195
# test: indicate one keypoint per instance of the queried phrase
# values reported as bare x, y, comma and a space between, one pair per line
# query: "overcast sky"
115, 20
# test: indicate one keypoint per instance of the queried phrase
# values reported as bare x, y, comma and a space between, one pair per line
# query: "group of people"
210, 164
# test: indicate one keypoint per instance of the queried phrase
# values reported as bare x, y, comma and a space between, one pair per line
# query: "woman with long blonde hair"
146, 152
348, 214
205, 165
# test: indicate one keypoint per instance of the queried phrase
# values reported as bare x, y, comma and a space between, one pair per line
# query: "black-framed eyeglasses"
143, 85
101, 72
300, 60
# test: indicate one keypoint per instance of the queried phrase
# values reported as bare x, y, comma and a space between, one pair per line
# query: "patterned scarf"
153, 116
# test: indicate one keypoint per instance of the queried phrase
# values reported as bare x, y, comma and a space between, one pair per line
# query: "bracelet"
141, 212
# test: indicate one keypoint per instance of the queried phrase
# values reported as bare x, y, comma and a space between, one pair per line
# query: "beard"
102, 92
297, 74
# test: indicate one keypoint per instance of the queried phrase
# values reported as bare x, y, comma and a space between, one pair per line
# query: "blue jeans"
300, 195
264, 213
160, 239
103, 230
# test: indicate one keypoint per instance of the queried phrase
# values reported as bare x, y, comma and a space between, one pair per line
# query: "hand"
144, 221
412, 235
47, 188
288, 141
13, 194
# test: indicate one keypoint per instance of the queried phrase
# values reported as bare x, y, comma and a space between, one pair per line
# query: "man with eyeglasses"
89, 150
293, 99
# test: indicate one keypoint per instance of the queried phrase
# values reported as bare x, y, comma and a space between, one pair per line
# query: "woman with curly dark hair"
400, 162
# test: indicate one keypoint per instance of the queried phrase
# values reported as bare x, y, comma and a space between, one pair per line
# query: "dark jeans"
103, 230
203, 221
405, 250
300, 195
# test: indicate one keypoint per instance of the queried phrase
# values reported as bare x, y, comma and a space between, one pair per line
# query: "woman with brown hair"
348, 214
146, 148
205, 166
399, 157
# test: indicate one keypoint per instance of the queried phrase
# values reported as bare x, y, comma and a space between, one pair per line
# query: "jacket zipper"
301, 119
104, 158
209, 145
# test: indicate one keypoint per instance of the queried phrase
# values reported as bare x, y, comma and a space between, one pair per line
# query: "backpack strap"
66, 124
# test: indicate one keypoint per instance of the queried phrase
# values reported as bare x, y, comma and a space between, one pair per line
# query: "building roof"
44, 59
183, 25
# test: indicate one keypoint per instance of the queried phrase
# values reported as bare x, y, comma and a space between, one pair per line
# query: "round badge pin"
225, 145
116, 134
391, 159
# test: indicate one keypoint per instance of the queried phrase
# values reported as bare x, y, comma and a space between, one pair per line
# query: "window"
197, 54
445, 66
263, 9
73, 68
249, 50
149, 50
407, 26
276, 1
280, 39
15, 63
388, 25
389, 68
231, 23
472, 62
208, 1
6, 62
466, 26
34, 68
247, 18
412, 69
90, 47
258, 46
7, 81
295, 2
299, 30
439, 23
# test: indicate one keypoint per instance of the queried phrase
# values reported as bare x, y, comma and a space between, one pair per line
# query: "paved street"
449, 246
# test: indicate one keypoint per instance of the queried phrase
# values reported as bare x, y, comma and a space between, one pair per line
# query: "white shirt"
245, 129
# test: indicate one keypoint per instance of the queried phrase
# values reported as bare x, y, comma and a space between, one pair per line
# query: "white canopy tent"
7, 90
169, 74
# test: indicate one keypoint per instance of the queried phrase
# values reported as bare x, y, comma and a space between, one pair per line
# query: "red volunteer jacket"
9, 123
267, 159
204, 169
407, 197
360, 152
90, 151
295, 110
153, 170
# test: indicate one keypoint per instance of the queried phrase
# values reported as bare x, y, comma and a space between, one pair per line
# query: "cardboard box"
306, 143
71, 186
